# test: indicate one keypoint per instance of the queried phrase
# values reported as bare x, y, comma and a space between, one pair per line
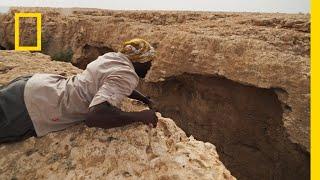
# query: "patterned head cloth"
138, 50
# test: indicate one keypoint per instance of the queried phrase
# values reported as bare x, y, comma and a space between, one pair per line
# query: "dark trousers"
15, 122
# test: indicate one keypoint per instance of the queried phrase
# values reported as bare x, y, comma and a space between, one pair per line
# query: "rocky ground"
238, 80
264, 50
131, 152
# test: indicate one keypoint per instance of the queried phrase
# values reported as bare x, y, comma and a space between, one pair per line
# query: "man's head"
141, 53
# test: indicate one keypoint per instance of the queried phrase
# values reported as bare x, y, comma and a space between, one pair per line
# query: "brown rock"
263, 50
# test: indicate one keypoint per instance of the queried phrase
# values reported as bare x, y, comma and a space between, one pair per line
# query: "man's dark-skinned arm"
105, 115
139, 96
145, 99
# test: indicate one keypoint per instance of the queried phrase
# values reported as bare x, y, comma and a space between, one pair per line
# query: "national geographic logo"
17, 17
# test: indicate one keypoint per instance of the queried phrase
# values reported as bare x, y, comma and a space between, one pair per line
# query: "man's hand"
150, 117
150, 103
105, 115
145, 99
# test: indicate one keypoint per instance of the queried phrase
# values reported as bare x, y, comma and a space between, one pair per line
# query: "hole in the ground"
2, 48
7, 46
244, 122
90, 53
65, 55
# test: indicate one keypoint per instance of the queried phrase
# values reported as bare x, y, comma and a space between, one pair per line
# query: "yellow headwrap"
138, 50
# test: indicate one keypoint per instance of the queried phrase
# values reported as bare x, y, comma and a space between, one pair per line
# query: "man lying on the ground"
42, 103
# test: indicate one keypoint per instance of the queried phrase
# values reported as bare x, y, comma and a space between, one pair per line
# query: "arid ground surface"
237, 80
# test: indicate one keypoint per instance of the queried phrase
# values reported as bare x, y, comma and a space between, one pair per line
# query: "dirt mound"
135, 151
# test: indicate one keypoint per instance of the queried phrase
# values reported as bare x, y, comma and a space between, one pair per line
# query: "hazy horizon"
272, 6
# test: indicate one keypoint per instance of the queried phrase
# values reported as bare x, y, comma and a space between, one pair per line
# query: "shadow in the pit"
2, 48
244, 122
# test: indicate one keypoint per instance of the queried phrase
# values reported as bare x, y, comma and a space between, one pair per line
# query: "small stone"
126, 174
107, 139
53, 158
195, 52
30, 152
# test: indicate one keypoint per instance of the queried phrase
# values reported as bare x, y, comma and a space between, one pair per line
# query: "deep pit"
244, 122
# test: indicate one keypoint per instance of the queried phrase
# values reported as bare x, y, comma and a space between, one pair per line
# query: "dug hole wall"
237, 80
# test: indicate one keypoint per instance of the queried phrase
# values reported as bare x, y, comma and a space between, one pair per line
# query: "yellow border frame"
17, 16
315, 90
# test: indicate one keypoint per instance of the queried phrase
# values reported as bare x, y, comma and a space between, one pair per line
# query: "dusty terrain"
238, 80
131, 152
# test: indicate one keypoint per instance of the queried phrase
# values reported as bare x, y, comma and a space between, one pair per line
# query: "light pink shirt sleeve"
115, 88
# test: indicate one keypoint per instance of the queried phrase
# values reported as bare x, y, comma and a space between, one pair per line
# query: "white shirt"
55, 102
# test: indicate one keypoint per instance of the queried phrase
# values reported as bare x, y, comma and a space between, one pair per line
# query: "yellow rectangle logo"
17, 17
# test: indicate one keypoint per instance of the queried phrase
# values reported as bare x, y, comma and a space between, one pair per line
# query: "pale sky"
283, 6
